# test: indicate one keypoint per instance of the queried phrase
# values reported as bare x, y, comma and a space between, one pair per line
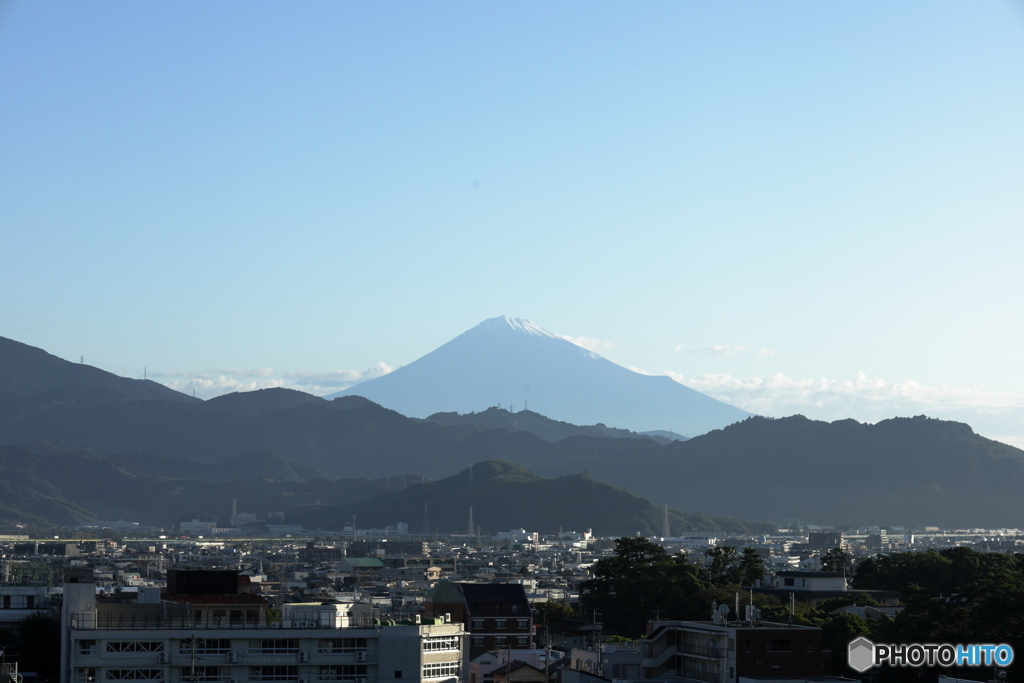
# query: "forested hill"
535, 423
504, 496
29, 371
899, 471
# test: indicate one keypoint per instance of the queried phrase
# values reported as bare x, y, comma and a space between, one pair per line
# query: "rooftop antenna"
472, 528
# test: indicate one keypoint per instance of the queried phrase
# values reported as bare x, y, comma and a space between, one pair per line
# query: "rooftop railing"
133, 621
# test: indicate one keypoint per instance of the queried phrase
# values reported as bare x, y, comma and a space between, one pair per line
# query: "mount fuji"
515, 362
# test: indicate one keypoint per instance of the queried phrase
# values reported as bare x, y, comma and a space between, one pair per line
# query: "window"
273, 673
521, 641
86, 675
86, 647
134, 674
274, 646
341, 645
441, 670
478, 641
340, 672
499, 623
748, 645
501, 640
206, 646
515, 608
732, 644
398, 673
780, 645
30, 602
477, 624
788, 582
135, 646
439, 643
7, 602
207, 674
731, 673
523, 623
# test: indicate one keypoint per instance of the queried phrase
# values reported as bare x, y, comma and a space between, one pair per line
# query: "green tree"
636, 584
554, 611
751, 568
722, 568
834, 560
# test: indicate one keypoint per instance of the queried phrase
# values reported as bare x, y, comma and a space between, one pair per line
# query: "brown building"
721, 651
497, 615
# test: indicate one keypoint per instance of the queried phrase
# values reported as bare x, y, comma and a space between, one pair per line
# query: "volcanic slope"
514, 360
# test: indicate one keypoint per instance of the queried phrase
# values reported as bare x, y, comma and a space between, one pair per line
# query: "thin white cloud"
210, 383
590, 344
764, 353
716, 350
232, 372
339, 379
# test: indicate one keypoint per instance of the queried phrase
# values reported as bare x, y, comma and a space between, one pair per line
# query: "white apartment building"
228, 638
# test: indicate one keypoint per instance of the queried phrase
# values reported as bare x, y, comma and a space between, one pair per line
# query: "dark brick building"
497, 615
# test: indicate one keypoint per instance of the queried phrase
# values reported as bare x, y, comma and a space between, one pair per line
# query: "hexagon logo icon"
861, 654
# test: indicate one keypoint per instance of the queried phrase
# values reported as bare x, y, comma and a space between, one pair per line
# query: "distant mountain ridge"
49, 486
505, 495
29, 371
515, 361
535, 423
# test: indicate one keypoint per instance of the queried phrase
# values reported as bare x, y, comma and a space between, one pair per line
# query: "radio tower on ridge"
472, 529
664, 525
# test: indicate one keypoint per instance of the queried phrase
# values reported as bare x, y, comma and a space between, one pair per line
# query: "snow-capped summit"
503, 323
514, 362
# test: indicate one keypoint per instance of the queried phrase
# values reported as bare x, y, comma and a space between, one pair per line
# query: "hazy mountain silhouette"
902, 471
512, 361
505, 495
535, 423
28, 371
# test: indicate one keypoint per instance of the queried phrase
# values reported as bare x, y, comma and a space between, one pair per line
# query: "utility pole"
193, 641
547, 648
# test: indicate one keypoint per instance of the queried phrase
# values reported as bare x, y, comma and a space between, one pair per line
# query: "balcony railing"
697, 674
703, 650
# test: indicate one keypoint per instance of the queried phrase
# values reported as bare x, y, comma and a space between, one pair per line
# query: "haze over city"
797, 208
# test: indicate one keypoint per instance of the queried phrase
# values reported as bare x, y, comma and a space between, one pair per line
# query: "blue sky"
797, 207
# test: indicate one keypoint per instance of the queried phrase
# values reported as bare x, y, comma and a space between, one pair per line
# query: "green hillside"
504, 496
